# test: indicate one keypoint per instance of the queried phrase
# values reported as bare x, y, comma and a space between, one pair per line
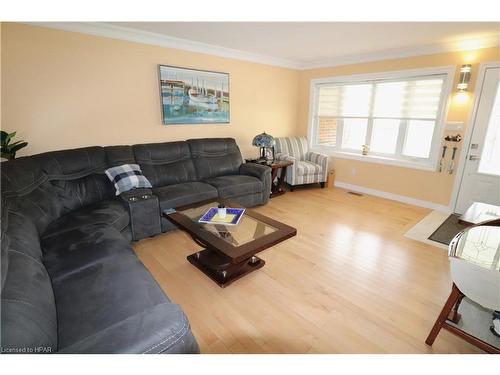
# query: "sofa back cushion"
165, 163
78, 176
119, 155
21, 176
27, 186
214, 157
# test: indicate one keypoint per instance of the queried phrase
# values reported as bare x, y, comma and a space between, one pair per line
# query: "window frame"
398, 158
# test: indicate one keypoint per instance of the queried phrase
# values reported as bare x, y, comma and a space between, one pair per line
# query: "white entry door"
481, 174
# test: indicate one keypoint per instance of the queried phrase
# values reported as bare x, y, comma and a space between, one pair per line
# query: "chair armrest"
317, 158
160, 329
320, 159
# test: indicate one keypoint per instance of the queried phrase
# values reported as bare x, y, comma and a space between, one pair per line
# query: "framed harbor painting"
191, 96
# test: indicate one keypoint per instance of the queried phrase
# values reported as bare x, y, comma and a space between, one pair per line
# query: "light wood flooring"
349, 282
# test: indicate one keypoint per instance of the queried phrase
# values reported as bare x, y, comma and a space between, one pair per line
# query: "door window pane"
354, 133
490, 157
384, 136
356, 100
418, 138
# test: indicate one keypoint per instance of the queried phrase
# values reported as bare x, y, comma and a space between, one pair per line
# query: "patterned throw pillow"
127, 177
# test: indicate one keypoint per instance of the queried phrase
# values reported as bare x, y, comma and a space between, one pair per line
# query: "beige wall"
64, 89
429, 186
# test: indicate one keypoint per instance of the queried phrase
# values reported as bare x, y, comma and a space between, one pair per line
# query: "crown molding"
492, 40
145, 37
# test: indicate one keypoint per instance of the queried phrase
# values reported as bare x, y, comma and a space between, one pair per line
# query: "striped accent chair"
308, 167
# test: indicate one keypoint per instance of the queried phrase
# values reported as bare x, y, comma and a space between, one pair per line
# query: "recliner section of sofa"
71, 282
195, 170
218, 162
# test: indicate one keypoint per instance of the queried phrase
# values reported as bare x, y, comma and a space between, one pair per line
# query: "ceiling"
314, 44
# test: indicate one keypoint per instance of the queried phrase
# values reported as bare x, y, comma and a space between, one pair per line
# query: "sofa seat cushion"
107, 291
305, 168
173, 196
77, 249
110, 212
236, 185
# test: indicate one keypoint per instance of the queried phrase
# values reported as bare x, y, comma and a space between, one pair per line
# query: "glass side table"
475, 270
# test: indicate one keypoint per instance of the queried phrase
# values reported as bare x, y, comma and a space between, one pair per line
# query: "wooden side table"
474, 267
277, 180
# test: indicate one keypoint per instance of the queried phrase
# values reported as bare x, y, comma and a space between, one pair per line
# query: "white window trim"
429, 164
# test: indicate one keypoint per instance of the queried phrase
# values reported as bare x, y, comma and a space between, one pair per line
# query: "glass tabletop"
481, 246
480, 212
248, 229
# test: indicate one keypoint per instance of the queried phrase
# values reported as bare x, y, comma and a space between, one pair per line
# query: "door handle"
474, 157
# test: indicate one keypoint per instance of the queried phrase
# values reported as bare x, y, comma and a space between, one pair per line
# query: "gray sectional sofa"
70, 281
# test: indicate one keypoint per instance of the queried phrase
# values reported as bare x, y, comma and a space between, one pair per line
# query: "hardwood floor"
349, 282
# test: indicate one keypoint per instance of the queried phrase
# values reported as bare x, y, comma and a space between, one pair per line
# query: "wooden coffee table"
229, 251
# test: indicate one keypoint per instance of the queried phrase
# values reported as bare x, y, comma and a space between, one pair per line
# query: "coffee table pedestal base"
220, 268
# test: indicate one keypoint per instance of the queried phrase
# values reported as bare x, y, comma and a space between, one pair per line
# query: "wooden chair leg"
455, 316
454, 297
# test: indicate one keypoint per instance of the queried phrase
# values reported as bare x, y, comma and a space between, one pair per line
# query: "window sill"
377, 159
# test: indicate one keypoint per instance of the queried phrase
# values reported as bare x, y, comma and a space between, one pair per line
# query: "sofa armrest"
256, 170
161, 329
320, 159
263, 173
136, 193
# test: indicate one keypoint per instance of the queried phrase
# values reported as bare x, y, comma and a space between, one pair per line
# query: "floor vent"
355, 193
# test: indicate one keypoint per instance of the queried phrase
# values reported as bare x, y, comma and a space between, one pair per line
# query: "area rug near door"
429, 226
446, 231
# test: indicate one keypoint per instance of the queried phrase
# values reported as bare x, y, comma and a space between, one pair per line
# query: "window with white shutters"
395, 118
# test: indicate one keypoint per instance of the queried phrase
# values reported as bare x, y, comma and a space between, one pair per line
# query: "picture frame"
193, 96
269, 153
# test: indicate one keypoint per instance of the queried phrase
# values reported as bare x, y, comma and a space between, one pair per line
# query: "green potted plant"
8, 149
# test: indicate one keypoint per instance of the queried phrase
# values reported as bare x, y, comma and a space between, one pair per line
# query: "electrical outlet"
353, 171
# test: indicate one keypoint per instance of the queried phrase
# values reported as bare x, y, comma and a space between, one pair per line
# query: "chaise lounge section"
70, 280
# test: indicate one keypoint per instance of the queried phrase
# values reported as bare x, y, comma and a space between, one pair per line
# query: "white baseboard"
392, 196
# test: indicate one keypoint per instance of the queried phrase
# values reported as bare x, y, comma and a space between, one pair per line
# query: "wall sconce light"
463, 82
